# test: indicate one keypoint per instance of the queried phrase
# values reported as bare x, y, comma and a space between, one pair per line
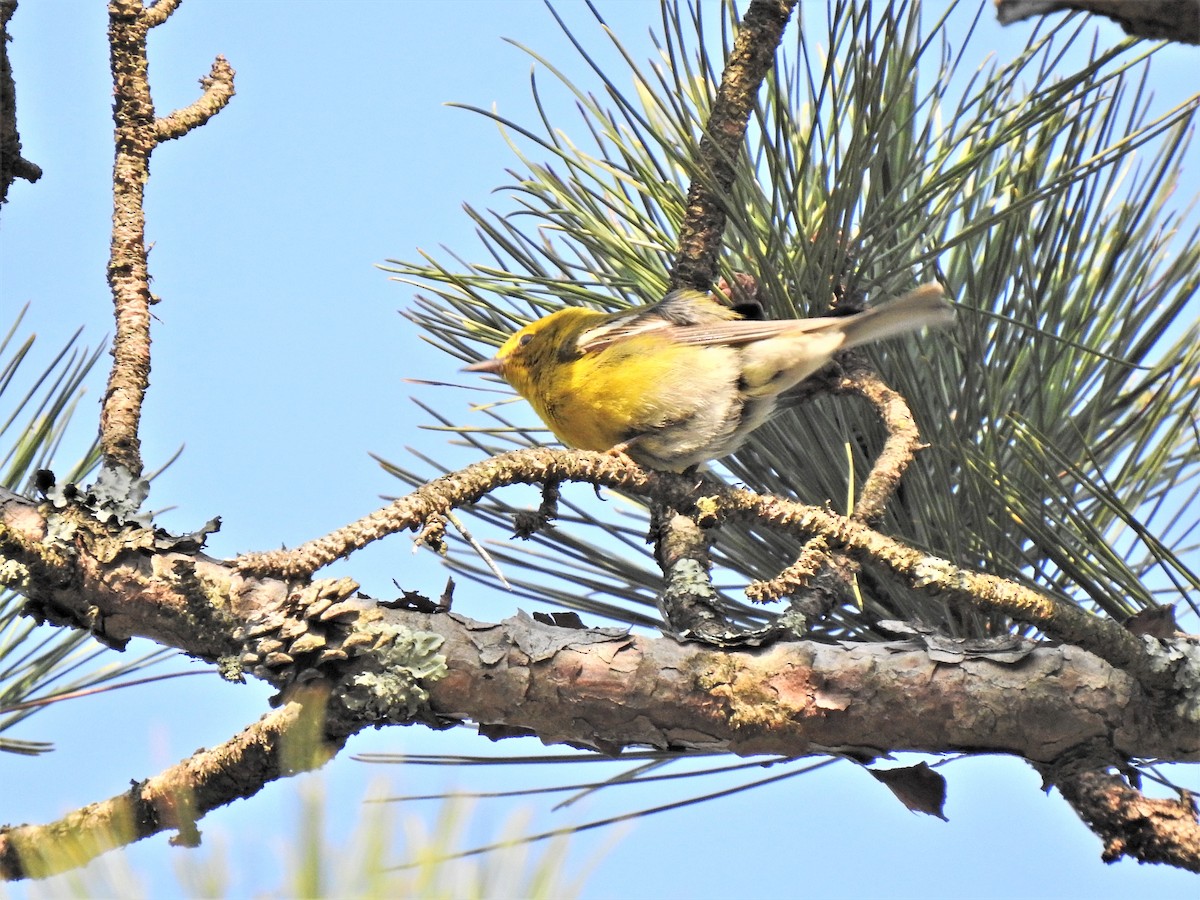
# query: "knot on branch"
432, 534
527, 523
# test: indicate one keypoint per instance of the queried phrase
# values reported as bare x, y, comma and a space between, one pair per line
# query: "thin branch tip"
218, 87
158, 12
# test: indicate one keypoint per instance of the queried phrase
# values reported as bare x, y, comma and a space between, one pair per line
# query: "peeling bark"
1133, 825
609, 691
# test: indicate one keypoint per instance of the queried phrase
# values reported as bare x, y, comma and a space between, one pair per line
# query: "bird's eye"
525, 339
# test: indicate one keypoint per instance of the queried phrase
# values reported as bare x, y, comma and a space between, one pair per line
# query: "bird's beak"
493, 366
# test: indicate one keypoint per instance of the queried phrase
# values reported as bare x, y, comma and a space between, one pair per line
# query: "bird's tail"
923, 307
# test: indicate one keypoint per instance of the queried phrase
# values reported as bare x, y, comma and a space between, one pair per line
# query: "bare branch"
285, 741
610, 690
790, 699
456, 489
128, 272
12, 164
753, 54
137, 134
218, 91
159, 11
899, 448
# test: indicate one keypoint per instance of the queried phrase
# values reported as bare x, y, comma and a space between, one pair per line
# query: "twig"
753, 54
12, 164
138, 132
921, 571
218, 91
437, 497
898, 451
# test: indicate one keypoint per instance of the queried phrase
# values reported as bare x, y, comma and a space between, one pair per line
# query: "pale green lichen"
1180, 660
14, 575
230, 669
60, 530
406, 659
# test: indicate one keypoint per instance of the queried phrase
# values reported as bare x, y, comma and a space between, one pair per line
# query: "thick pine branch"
600, 688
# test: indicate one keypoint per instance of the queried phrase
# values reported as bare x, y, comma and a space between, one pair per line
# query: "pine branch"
404, 661
138, 132
290, 739
1171, 20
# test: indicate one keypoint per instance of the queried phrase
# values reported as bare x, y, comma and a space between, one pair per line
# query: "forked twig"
899, 449
138, 132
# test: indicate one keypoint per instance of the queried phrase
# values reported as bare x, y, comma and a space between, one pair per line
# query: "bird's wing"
690, 317
678, 308
743, 332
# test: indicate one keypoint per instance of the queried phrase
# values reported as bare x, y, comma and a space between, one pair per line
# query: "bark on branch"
753, 54
12, 164
1134, 825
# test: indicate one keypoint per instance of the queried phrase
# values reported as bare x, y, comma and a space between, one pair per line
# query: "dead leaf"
918, 787
559, 619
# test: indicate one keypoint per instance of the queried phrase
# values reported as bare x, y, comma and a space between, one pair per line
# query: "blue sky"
279, 360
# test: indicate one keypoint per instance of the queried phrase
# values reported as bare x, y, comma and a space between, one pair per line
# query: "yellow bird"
686, 379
